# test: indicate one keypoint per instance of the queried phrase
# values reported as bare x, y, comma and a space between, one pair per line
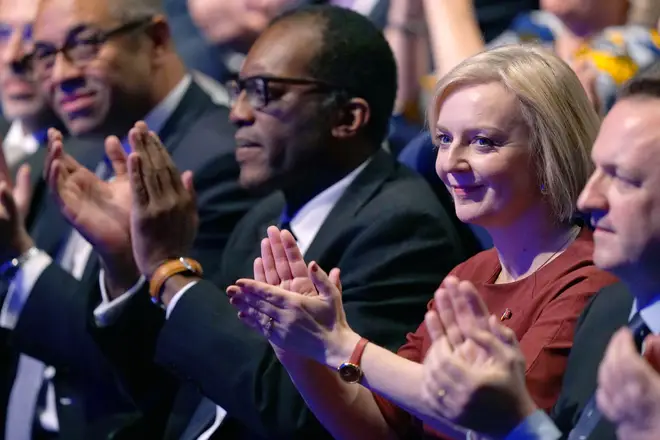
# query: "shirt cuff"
177, 297
21, 286
107, 312
537, 426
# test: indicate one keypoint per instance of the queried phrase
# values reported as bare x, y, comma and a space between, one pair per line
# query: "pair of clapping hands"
474, 372
298, 307
143, 216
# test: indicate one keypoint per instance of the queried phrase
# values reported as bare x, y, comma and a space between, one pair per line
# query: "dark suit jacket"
53, 323
608, 311
394, 243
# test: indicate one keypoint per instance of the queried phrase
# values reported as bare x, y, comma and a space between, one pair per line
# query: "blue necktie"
285, 222
591, 415
41, 136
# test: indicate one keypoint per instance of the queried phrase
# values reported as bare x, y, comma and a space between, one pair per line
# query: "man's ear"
159, 33
354, 116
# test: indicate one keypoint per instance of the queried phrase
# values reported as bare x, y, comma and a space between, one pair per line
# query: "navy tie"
591, 414
285, 223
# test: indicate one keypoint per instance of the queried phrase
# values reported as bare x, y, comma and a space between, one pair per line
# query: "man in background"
26, 114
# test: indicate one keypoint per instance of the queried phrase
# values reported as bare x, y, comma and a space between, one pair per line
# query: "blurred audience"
312, 105
496, 119
592, 36
196, 52
26, 115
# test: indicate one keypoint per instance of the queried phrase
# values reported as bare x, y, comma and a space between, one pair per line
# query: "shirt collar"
650, 314
17, 138
159, 115
306, 223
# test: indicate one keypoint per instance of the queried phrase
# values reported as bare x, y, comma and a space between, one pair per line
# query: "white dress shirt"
18, 144
304, 226
74, 258
539, 426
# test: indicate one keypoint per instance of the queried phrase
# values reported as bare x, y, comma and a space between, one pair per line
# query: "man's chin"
21, 110
81, 126
257, 182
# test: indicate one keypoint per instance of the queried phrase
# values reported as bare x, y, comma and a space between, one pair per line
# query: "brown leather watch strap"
167, 270
350, 371
357, 352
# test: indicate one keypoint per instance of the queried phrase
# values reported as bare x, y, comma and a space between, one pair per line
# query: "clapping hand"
164, 216
629, 387
296, 306
14, 206
474, 366
99, 210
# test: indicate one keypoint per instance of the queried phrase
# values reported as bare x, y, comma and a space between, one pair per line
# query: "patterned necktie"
591, 415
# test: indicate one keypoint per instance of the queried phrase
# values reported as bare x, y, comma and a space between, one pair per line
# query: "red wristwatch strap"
357, 352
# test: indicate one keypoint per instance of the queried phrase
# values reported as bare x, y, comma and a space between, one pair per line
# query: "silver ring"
269, 325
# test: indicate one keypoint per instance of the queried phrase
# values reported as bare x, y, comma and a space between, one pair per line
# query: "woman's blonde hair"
561, 120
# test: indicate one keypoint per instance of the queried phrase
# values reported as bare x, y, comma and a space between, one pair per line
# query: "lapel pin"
506, 315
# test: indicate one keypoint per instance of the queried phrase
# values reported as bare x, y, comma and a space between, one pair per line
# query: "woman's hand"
474, 366
297, 307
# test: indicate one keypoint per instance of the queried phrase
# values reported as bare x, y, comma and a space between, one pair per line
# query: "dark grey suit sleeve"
390, 271
130, 343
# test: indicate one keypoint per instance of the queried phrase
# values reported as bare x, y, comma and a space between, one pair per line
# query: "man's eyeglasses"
81, 46
259, 92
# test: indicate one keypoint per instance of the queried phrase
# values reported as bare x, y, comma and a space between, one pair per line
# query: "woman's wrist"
341, 347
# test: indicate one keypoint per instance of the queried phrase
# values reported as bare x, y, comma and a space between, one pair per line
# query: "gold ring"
441, 393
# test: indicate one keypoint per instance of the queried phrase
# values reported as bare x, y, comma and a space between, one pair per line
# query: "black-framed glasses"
259, 92
81, 46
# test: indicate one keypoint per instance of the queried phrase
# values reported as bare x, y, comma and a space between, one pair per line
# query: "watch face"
350, 373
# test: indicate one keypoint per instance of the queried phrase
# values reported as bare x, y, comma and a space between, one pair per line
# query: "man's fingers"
139, 190
188, 185
23, 190
7, 200
117, 156
4, 169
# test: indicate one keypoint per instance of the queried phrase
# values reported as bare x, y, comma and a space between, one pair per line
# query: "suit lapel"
363, 188
193, 104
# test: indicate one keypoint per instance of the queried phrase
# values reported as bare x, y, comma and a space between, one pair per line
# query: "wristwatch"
167, 270
350, 371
